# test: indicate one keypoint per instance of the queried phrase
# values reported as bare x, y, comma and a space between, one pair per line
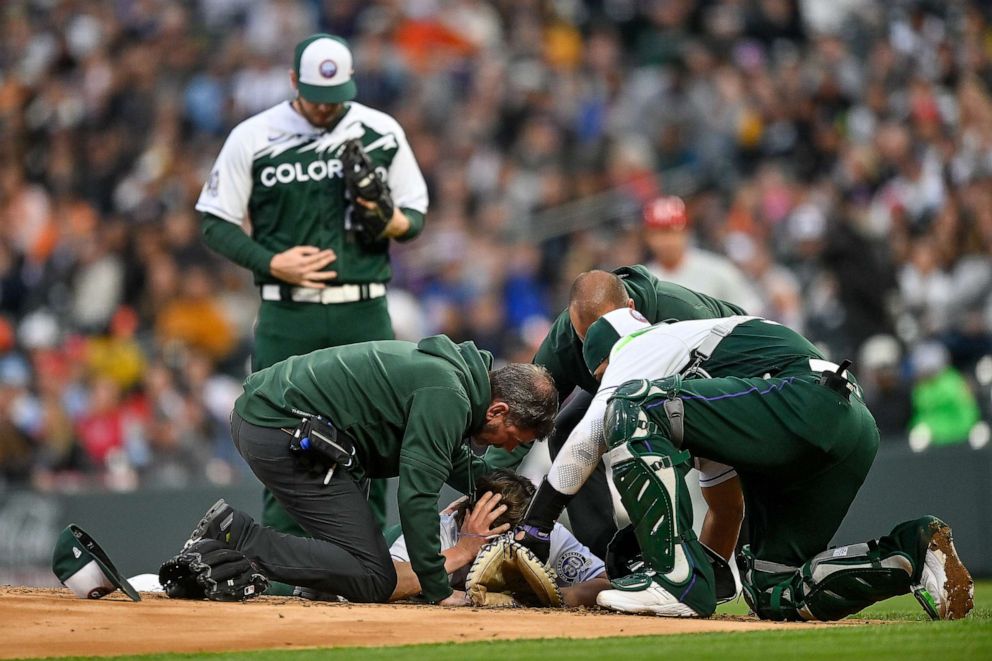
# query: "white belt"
325, 296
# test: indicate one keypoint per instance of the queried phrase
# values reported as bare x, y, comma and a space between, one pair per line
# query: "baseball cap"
324, 69
83, 567
606, 331
665, 213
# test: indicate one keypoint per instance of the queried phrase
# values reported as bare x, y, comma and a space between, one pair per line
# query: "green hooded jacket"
408, 408
657, 300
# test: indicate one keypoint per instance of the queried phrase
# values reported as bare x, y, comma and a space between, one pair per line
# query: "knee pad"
649, 475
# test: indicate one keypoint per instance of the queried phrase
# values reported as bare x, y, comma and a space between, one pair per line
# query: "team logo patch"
569, 566
328, 68
638, 316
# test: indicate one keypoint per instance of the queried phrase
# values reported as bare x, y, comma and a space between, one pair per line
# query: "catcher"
757, 396
486, 569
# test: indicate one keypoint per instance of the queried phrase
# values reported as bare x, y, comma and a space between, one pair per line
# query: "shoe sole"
669, 610
201, 528
959, 587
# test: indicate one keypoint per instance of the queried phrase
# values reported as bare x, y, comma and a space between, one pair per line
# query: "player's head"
322, 76
665, 224
604, 333
516, 491
593, 294
523, 407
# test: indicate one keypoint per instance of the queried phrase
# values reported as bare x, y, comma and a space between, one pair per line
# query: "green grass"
910, 636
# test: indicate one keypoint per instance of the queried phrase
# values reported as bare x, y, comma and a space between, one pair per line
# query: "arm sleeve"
429, 442
583, 449
579, 455
230, 240
407, 186
416, 224
228, 188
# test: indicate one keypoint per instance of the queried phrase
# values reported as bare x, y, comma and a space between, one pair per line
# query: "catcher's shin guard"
844, 580
649, 472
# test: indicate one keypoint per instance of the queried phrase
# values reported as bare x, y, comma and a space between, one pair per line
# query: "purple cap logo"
328, 68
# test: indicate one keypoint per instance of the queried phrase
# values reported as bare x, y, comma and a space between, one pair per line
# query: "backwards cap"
324, 69
606, 331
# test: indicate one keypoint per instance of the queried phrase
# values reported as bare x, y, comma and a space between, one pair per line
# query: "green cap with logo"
324, 69
83, 567
606, 331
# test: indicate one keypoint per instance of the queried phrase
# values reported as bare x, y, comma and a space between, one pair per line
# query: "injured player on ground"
465, 528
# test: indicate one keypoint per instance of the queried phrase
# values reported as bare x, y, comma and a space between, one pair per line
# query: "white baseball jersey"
653, 352
573, 561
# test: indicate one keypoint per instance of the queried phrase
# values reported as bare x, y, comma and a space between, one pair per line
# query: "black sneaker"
215, 524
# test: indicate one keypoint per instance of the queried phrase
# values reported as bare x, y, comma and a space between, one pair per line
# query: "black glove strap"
545, 507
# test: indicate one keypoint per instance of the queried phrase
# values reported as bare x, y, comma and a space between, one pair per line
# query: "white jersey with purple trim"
652, 352
573, 561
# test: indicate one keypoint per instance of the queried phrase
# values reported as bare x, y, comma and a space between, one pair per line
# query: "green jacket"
945, 405
657, 300
408, 408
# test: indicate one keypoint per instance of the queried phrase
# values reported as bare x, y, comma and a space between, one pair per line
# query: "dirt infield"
37, 623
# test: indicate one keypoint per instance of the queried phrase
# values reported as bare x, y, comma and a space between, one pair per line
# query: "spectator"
944, 408
849, 142
886, 390
674, 259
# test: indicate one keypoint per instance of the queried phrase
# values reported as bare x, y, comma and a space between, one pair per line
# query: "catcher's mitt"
506, 573
210, 570
363, 181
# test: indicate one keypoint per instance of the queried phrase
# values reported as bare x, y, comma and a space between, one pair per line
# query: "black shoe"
215, 524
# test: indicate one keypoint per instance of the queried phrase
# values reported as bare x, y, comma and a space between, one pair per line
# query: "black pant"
347, 554
590, 512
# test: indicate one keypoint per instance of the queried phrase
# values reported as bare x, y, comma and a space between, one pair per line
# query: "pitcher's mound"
39, 622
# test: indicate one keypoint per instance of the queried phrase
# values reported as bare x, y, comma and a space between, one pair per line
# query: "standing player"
759, 397
321, 272
593, 294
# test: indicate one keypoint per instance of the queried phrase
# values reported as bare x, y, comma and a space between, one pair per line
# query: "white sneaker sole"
634, 602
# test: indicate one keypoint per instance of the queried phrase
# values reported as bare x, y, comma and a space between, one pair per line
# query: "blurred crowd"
835, 161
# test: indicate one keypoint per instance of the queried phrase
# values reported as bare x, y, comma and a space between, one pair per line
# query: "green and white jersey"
650, 352
284, 175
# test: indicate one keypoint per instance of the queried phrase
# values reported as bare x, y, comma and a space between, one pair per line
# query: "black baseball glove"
362, 181
210, 570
